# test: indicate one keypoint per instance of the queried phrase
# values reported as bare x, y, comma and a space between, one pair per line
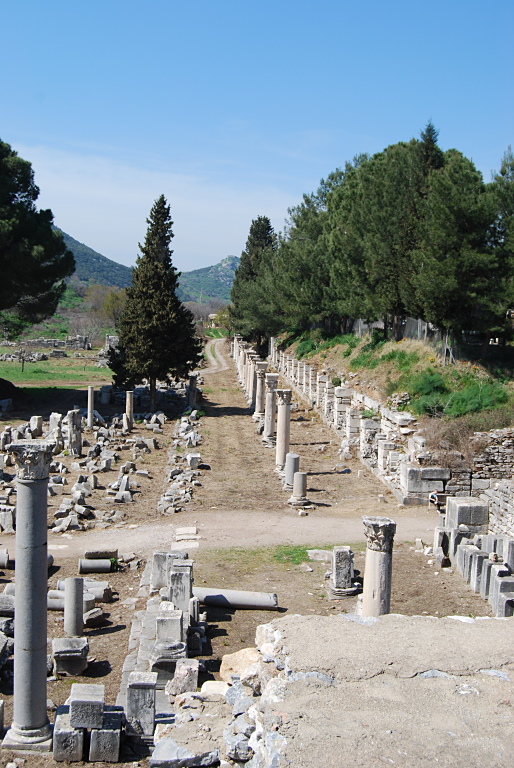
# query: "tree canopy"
34, 261
156, 331
409, 231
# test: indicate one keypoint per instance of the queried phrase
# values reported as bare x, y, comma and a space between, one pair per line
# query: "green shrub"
427, 383
476, 397
336, 381
305, 347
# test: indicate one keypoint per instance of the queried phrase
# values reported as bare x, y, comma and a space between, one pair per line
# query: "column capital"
379, 533
271, 382
284, 396
261, 370
33, 458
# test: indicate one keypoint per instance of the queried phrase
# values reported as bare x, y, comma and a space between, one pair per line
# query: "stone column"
320, 391
90, 406
299, 495
259, 394
129, 408
74, 606
312, 383
283, 427
268, 436
292, 465
192, 392
378, 567
30, 729
253, 381
74, 432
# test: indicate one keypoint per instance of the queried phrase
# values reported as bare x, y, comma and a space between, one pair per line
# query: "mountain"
202, 285
92, 267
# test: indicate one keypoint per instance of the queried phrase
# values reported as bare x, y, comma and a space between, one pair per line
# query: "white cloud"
104, 204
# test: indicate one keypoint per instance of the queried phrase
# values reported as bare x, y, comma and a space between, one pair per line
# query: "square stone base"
14, 742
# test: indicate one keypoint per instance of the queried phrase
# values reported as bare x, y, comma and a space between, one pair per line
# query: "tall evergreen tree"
34, 261
246, 293
457, 279
156, 331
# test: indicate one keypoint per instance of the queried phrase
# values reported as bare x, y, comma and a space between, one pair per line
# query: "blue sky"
235, 109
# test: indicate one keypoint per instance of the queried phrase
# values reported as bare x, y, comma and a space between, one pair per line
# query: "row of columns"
129, 405
264, 398
333, 401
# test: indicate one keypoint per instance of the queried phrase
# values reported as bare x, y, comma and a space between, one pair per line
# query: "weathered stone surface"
236, 663
169, 754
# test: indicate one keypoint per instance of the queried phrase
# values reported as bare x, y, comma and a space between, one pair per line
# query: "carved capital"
271, 382
284, 396
379, 533
261, 370
33, 458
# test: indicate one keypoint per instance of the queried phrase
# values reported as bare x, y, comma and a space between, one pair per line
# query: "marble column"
30, 729
268, 436
129, 408
252, 393
283, 427
259, 393
378, 566
90, 406
74, 606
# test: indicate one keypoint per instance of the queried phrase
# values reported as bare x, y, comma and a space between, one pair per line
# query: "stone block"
466, 510
434, 473
68, 742
86, 705
169, 754
505, 605
236, 663
104, 746
185, 677
485, 579
412, 481
169, 624
508, 553
477, 562
70, 655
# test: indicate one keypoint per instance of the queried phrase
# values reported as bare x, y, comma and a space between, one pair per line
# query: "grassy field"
67, 372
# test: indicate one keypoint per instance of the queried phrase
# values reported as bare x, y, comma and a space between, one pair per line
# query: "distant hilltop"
200, 285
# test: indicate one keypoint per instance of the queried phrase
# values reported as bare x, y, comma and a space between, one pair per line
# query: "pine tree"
156, 331
34, 261
251, 275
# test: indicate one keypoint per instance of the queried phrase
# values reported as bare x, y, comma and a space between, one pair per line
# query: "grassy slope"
383, 368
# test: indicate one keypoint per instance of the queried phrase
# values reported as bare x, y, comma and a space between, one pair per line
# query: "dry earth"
241, 513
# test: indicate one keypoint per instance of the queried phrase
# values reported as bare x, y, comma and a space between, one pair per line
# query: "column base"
335, 593
299, 501
269, 442
34, 740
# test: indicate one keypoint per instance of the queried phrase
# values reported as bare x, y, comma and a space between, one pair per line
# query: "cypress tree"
156, 331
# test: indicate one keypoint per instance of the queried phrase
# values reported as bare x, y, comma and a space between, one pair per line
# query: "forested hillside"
209, 283
91, 267
199, 285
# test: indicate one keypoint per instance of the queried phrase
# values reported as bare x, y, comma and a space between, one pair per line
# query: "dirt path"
241, 502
